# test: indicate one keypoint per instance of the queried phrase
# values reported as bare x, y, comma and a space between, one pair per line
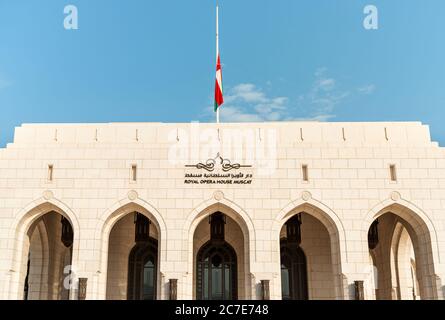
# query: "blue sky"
154, 61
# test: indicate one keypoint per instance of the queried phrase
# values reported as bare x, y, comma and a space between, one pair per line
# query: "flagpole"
217, 48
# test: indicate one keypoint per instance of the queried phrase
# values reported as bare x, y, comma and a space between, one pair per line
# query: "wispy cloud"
320, 102
247, 102
367, 89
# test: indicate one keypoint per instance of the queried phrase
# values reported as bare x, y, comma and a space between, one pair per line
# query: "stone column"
359, 290
82, 290
265, 289
173, 289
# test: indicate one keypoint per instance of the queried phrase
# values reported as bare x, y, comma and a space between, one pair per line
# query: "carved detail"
132, 195
395, 196
218, 195
210, 164
48, 195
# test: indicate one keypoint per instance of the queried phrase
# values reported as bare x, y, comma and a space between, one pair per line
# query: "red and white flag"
219, 98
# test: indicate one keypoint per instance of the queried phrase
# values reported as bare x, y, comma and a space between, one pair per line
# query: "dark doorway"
216, 265
142, 270
294, 284
293, 273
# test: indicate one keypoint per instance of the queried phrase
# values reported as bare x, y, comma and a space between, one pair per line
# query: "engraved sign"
210, 164
225, 178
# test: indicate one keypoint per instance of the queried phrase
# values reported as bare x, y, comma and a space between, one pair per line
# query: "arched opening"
47, 258
309, 258
216, 272
142, 265
293, 272
219, 259
133, 268
401, 247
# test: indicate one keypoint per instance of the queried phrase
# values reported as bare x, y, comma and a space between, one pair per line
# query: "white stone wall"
349, 186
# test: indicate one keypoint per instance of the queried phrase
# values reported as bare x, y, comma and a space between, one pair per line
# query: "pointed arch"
318, 210
105, 225
423, 235
226, 206
331, 222
411, 213
238, 215
23, 220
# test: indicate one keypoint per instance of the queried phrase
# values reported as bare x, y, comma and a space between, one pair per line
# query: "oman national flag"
219, 99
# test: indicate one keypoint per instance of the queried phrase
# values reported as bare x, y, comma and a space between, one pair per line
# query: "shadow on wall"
351, 291
258, 290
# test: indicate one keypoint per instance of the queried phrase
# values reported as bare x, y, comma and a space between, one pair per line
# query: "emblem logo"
211, 164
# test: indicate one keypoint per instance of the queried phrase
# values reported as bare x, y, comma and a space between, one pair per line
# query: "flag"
219, 98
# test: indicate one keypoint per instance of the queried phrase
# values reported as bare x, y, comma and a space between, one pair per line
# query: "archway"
216, 265
400, 241
108, 220
26, 223
314, 239
238, 234
133, 258
48, 257
306, 259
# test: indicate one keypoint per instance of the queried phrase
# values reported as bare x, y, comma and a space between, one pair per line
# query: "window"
216, 277
294, 283
50, 172
134, 169
304, 169
393, 172
216, 272
285, 281
142, 270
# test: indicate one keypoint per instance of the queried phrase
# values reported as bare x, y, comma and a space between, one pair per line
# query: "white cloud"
368, 89
235, 114
246, 92
326, 84
246, 102
317, 118
323, 82
323, 97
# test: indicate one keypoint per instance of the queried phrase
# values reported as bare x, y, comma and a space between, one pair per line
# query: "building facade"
292, 210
